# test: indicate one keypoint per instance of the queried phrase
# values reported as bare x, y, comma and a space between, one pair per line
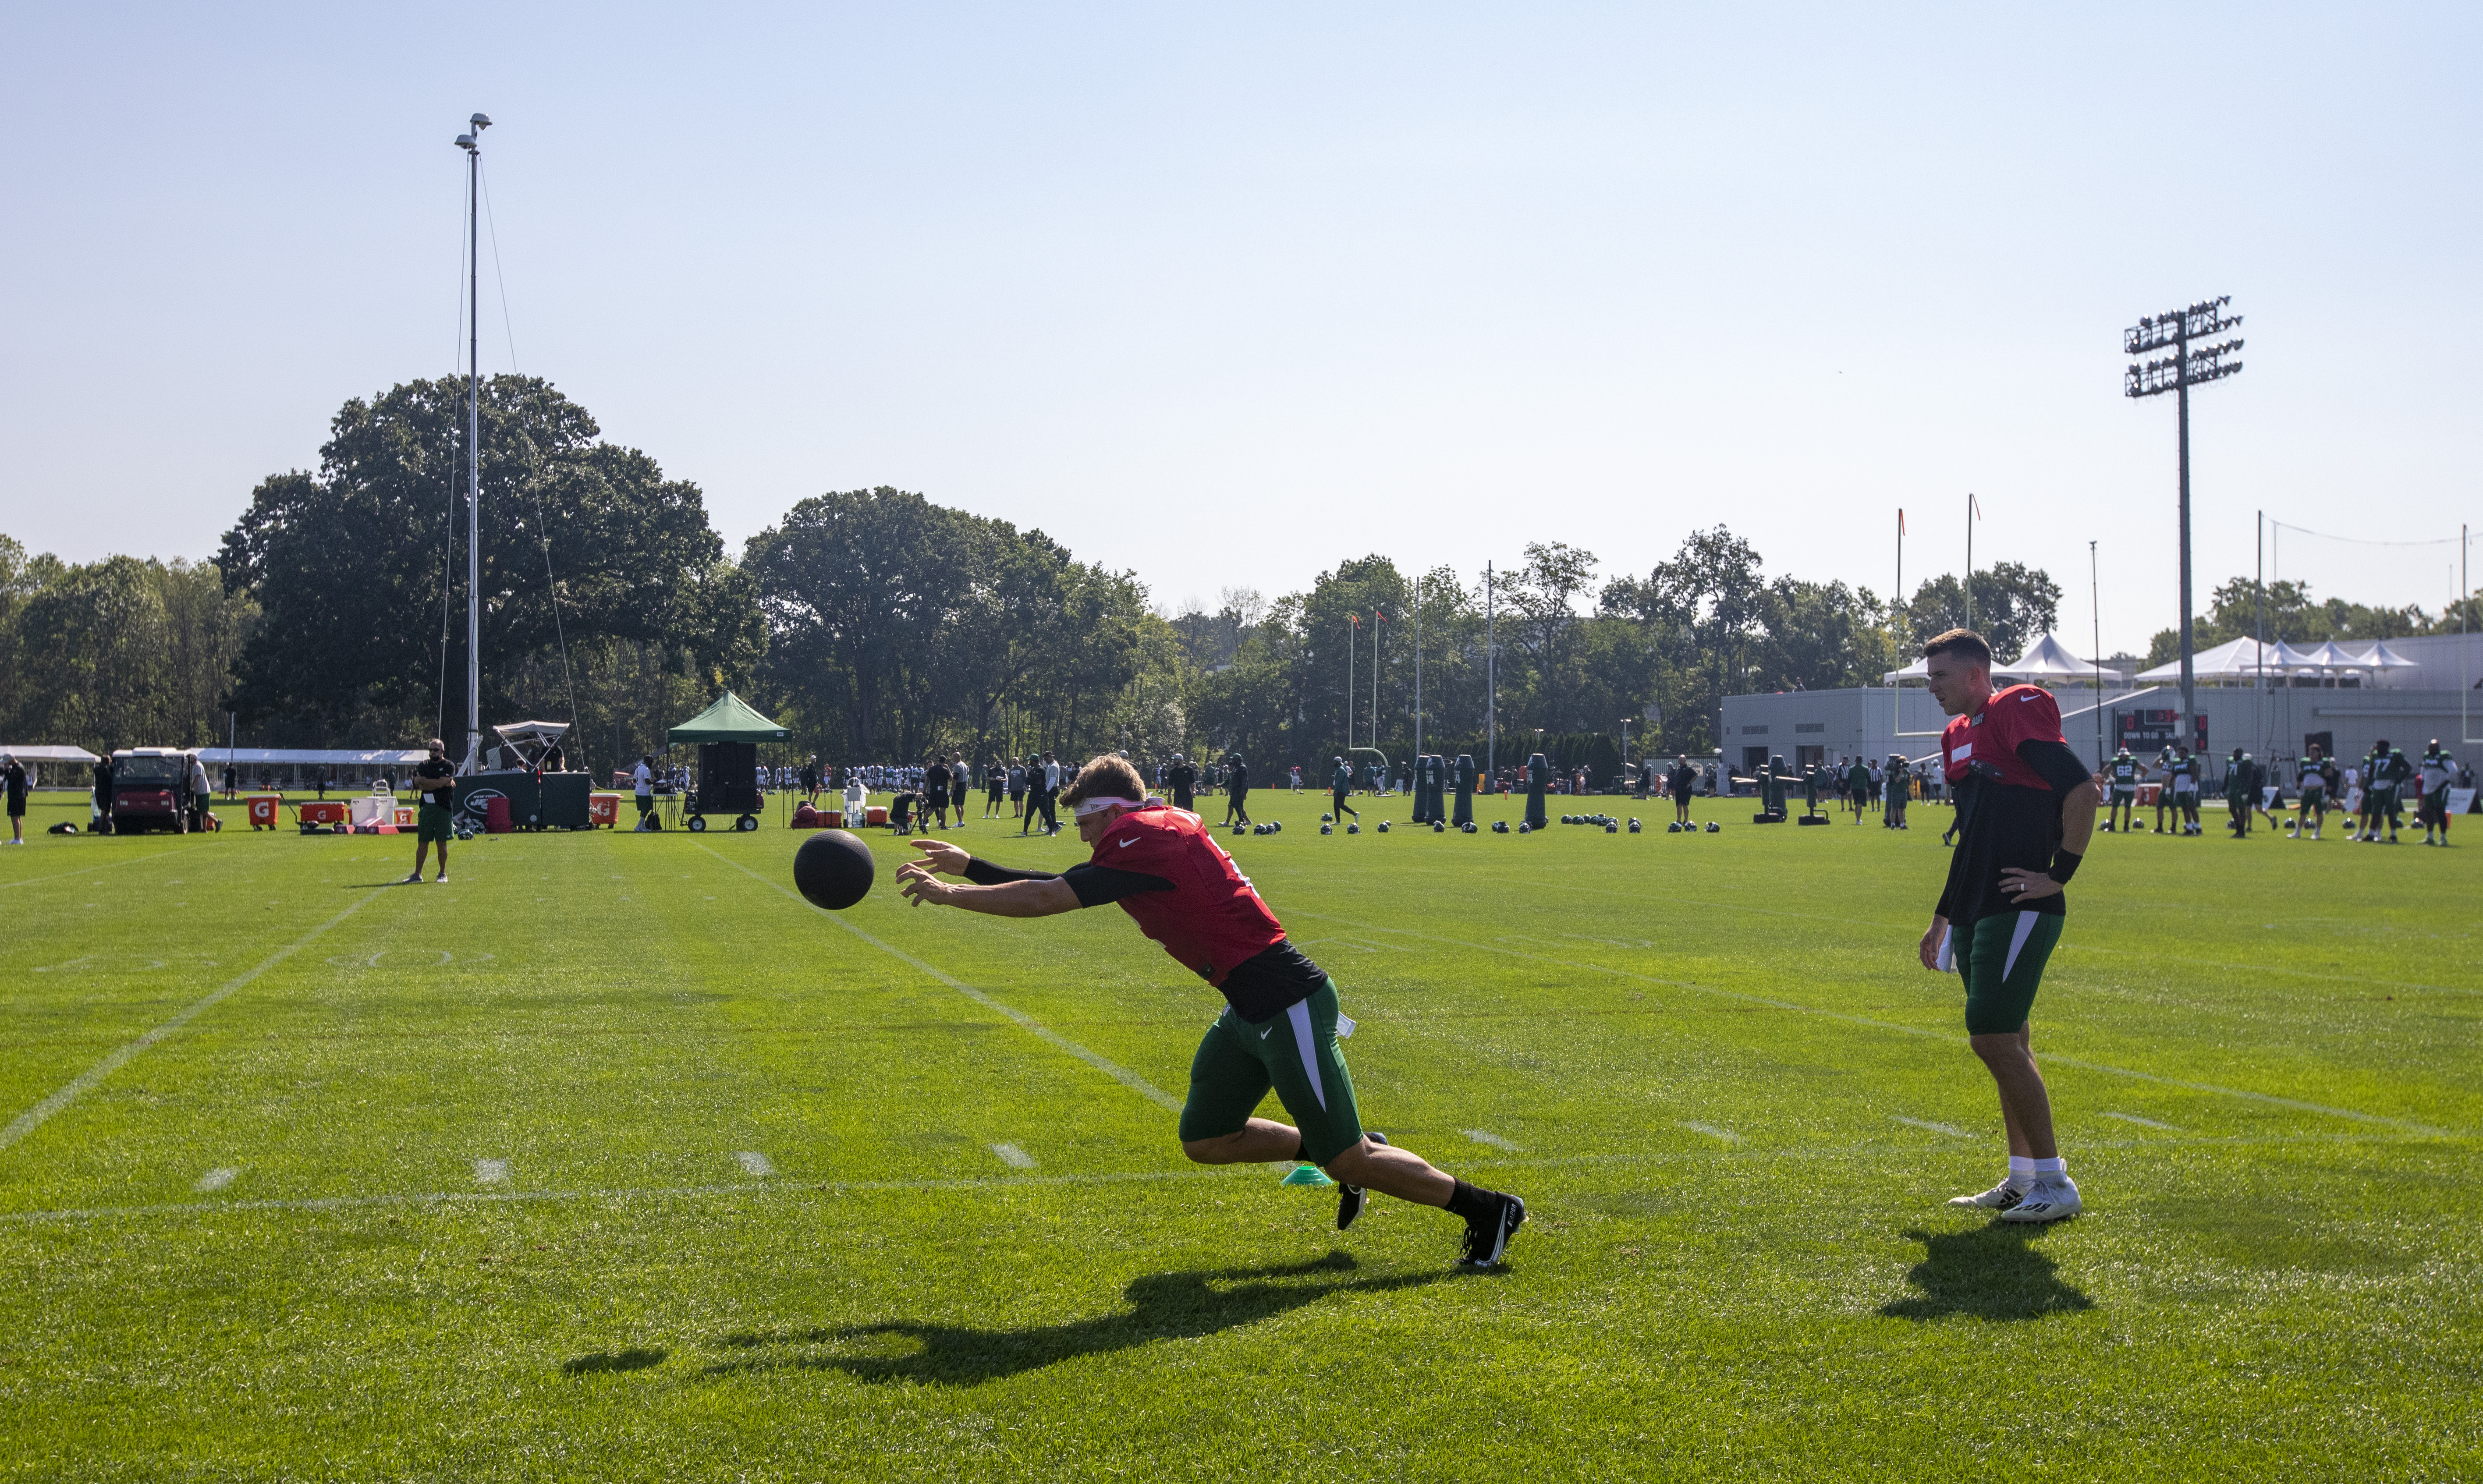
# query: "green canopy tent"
730, 719
728, 734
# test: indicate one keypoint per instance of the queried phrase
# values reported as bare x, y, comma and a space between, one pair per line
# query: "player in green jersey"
2123, 773
2385, 773
2317, 783
2438, 770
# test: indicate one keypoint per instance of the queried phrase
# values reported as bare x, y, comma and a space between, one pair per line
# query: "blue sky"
1226, 295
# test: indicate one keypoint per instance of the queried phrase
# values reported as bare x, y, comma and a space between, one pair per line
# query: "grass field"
611, 1159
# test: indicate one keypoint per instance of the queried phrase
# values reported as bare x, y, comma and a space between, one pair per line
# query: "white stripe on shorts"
2017, 941
1299, 1013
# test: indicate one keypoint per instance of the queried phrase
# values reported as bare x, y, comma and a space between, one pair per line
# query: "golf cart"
150, 789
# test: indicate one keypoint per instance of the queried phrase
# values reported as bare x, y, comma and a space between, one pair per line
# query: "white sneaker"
2049, 1200
1999, 1198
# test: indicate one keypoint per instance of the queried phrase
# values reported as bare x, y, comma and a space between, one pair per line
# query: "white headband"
1086, 806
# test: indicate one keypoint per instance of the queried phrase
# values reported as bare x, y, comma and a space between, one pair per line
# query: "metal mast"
471, 143
2177, 374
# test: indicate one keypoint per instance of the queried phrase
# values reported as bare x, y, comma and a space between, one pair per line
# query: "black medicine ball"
833, 869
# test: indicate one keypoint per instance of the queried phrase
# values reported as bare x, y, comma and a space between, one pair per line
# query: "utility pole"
2094, 602
1353, 634
2178, 373
471, 143
1972, 510
1378, 619
1418, 666
1490, 683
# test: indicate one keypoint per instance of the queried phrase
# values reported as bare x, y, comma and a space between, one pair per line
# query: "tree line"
882, 626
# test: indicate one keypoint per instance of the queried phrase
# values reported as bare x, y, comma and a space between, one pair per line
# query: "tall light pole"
471, 143
2176, 374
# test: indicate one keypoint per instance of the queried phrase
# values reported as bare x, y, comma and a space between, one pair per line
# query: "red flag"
1901, 522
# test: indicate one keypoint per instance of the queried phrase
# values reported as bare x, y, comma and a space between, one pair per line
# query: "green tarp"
729, 720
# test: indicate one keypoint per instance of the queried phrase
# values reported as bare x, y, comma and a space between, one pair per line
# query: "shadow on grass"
1163, 1306
1992, 1272
604, 1362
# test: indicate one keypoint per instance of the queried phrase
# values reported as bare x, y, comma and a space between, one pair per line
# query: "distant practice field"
613, 1159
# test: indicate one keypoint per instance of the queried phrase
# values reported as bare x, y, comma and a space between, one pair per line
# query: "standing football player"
2026, 808
2125, 772
1280, 1024
2317, 783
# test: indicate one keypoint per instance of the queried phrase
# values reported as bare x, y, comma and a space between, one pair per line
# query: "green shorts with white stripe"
1294, 1054
2001, 958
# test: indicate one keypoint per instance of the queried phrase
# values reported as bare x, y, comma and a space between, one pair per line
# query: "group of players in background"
2373, 793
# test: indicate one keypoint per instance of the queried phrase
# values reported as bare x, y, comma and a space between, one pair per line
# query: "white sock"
2052, 1171
2021, 1172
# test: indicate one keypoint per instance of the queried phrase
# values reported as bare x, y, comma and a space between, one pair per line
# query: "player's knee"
1215, 1150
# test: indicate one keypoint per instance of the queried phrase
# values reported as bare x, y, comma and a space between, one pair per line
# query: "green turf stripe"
1912, 1030
1111, 1069
106, 866
119, 1057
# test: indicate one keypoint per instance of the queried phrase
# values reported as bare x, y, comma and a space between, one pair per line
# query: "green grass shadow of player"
1163, 1306
1991, 1272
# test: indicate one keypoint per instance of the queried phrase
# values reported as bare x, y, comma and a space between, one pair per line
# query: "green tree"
359, 567
2013, 605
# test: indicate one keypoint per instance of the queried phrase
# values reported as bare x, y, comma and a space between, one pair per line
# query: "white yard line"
490, 1171
756, 1163
1487, 1136
1951, 1129
33, 1118
1713, 1133
742, 1189
106, 866
2143, 1123
2051, 1058
216, 1179
1013, 1157
1110, 1069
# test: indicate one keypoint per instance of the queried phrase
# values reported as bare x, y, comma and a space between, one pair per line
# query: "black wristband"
2064, 864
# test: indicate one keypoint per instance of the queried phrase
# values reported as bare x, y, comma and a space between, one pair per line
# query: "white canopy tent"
2332, 656
2049, 659
2379, 656
2235, 660
50, 754
257, 766
2284, 656
2045, 659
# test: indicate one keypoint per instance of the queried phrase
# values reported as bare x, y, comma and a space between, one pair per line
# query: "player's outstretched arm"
1010, 899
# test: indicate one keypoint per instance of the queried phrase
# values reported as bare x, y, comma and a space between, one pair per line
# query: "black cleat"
1350, 1199
1487, 1237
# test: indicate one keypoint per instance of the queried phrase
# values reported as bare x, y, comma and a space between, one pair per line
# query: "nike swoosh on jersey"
1126, 844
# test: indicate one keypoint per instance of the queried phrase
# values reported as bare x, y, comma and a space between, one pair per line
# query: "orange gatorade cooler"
604, 809
262, 807
876, 814
324, 812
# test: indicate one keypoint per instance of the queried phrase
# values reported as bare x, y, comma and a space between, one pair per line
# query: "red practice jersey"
1211, 919
2020, 714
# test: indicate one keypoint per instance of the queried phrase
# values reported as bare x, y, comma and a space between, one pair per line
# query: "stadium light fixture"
2176, 374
